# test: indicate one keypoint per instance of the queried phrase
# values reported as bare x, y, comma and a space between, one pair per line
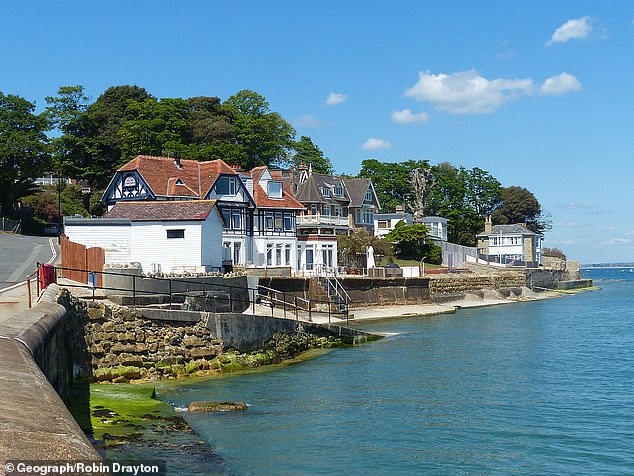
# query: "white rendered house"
162, 236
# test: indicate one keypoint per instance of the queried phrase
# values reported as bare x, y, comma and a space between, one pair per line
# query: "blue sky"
539, 94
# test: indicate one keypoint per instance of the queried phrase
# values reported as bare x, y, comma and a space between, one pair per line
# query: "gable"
128, 185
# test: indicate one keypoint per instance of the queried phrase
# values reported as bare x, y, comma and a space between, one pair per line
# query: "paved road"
19, 255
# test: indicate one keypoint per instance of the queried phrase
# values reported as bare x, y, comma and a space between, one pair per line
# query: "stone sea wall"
120, 344
460, 284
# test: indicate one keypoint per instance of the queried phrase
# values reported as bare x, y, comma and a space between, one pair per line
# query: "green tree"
153, 127
392, 181
356, 244
264, 137
306, 152
99, 129
411, 242
24, 148
520, 206
46, 207
66, 111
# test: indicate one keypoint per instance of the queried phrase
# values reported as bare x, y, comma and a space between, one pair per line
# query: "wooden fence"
76, 256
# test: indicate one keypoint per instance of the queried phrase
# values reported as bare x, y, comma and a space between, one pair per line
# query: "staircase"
333, 291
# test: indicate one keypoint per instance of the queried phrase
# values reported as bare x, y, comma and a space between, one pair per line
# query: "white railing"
314, 220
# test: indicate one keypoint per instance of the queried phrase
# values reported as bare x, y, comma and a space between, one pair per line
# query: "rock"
211, 406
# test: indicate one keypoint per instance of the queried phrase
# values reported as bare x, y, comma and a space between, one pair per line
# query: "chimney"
177, 161
488, 225
400, 208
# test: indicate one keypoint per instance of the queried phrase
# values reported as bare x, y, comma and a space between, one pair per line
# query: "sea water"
544, 387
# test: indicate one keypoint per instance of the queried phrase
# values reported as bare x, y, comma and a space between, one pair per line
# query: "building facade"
510, 244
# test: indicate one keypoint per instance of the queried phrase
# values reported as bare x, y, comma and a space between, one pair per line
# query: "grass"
408, 262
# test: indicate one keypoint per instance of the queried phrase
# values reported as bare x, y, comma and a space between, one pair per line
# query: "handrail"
294, 305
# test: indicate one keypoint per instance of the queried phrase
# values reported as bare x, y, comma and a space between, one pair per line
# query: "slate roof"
166, 178
311, 190
261, 198
163, 210
357, 188
514, 229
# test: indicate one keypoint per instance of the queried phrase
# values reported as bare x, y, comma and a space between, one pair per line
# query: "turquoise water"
532, 388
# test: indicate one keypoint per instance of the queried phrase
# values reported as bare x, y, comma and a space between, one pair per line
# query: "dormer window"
275, 189
339, 190
326, 192
226, 186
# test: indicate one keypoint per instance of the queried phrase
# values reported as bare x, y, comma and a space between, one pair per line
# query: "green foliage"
392, 181
520, 206
359, 239
465, 197
554, 252
306, 152
46, 203
265, 137
24, 148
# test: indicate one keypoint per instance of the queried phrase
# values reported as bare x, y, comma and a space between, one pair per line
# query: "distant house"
333, 206
386, 222
163, 236
510, 244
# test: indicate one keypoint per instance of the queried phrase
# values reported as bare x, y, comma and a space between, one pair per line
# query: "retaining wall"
34, 422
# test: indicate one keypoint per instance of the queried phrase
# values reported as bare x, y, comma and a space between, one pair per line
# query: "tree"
411, 242
357, 242
154, 127
264, 137
392, 181
306, 152
554, 252
422, 183
45, 203
99, 130
24, 149
65, 111
520, 206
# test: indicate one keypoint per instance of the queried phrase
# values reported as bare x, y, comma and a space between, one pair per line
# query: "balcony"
321, 220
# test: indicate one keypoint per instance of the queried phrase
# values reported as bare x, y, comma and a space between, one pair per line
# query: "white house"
386, 222
163, 236
510, 244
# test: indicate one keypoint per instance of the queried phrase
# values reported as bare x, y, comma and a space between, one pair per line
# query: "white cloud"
308, 120
406, 116
467, 92
618, 241
560, 84
573, 29
375, 144
336, 98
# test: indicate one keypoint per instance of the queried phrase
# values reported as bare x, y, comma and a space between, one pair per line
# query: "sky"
540, 94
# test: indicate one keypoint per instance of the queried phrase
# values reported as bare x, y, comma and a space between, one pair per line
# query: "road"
19, 255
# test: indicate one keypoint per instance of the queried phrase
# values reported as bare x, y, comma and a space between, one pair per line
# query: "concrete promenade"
34, 422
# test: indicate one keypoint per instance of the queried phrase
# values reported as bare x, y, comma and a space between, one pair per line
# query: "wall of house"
149, 245
113, 238
211, 251
261, 243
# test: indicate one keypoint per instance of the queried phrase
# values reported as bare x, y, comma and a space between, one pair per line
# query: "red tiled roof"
163, 210
262, 199
161, 174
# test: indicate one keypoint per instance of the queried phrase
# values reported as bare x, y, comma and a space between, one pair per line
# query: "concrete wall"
34, 422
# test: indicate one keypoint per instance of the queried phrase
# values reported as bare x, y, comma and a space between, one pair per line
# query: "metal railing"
223, 297
327, 277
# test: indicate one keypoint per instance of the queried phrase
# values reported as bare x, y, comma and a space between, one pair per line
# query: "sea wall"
154, 343
456, 286
35, 373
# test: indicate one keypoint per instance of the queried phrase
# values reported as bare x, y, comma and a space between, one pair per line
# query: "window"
278, 221
326, 192
278, 255
275, 189
236, 252
326, 211
268, 220
269, 255
365, 216
236, 219
382, 224
368, 195
175, 234
287, 255
338, 212
309, 258
226, 186
313, 209
288, 221
339, 190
